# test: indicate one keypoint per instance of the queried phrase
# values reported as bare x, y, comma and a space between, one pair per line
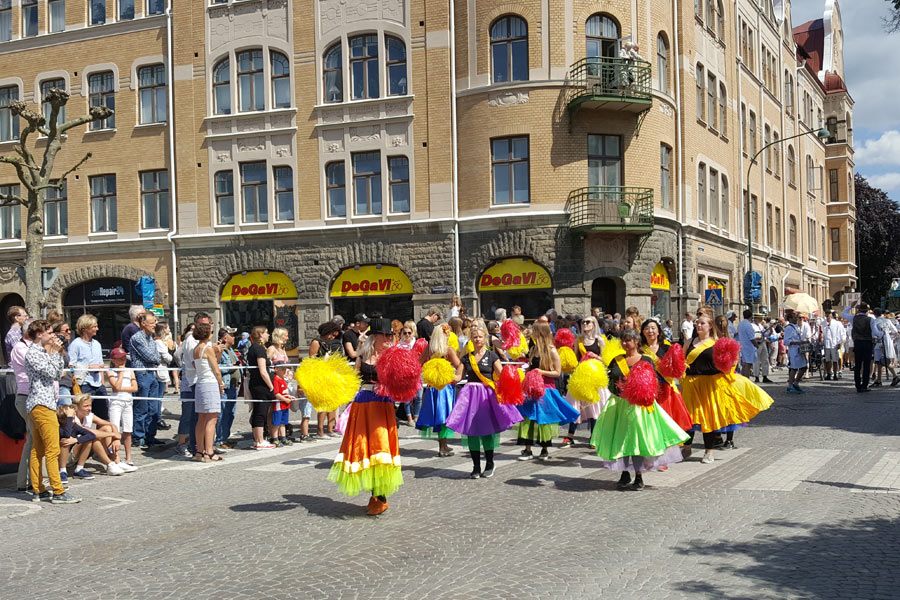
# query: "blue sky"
874, 84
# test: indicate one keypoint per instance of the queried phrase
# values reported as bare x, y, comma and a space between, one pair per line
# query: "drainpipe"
455, 147
680, 153
173, 210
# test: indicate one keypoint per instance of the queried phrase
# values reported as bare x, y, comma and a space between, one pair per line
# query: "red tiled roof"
811, 38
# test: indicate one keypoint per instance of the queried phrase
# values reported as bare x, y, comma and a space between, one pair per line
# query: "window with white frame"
605, 164
46, 108
509, 49
714, 197
366, 183
152, 94
10, 215
156, 7
5, 20
751, 131
98, 12
29, 18
103, 203
810, 175
222, 87
9, 124
253, 192
665, 176
364, 66
155, 199
791, 166
726, 205
712, 105
767, 138
723, 110
333, 74
662, 63
701, 93
510, 170
101, 92
398, 171
56, 210
251, 88
395, 66
224, 192
281, 80
284, 193
126, 10
701, 191
56, 10
336, 189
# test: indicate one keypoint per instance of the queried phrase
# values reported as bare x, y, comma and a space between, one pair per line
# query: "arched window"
792, 235
396, 66
281, 80
509, 49
602, 36
662, 63
364, 66
333, 74
251, 87
222, 88
791, 166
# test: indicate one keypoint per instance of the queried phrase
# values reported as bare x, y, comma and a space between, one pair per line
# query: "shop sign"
659, 278
258, 285
157, 309
514, 274
99, 293
371, 280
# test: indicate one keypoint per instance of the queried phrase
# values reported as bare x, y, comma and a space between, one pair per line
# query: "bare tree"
37, 178
892, 21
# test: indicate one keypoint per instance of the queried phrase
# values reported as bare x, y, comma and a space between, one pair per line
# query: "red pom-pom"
510, 332
589, 355
533, 386
399, 374
641, 385
672, 364
509, 386
564, 337
726, 353
419, 346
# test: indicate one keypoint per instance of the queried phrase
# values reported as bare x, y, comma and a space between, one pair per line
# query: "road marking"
118, 502
687, 470
789, 471
883, 478
245, 456
28, 508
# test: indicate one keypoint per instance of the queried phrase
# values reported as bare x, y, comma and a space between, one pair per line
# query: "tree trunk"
34, 255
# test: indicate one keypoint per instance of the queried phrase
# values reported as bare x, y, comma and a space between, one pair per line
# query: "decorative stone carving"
252, 144
360, 10
334, 147
397, 141
248, 20
364, 134
7, 274
666, 109
394, 10
508, 98
280, 121
331, 15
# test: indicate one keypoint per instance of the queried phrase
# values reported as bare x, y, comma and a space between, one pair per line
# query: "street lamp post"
820, 133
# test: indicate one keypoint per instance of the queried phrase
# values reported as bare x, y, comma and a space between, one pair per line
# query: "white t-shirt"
187, 354
746, 335
687, 330
125, 378
833, 334
87, 422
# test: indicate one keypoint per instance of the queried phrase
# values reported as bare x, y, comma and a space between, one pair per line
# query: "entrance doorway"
390, 307
604, 295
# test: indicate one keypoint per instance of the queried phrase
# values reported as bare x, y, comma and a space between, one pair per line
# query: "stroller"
816, 359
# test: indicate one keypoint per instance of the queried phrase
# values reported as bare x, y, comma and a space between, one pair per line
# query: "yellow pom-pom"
517, 352
567, 359
438, 373
589, 377
611, 350
327, 382
453, 342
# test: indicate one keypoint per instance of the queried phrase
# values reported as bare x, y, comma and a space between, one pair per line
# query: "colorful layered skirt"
436, 408
542, 417
670, 400
722, 402
477, 412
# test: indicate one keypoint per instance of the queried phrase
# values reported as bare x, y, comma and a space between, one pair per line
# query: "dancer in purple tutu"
477, 414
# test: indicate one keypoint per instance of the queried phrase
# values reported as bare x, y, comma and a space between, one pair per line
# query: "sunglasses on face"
406, 332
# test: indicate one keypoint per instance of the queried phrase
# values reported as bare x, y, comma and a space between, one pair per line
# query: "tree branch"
62, 179
11, 200
97, 113
36, 121
20, 165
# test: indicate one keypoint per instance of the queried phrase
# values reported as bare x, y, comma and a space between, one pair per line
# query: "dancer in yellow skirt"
370, 451
716, 397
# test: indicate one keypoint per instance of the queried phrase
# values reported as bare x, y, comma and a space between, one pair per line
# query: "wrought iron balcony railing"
611, 208
612, 83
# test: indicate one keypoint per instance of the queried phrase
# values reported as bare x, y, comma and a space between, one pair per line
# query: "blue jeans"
411, 409
98, 405
146, 416
226, 415
187, 424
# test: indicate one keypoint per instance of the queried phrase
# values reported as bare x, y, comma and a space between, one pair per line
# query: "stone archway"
97, 271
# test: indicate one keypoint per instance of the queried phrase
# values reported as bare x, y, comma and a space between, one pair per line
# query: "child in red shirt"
281, 413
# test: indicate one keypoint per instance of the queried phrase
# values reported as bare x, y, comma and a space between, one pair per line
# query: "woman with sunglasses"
437, 404
592, 341
407, 339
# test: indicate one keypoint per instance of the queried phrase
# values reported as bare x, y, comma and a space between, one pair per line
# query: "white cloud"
882, 151
885, 181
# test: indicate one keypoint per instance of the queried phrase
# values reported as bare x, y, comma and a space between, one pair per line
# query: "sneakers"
707, 458
488, 472
285, 441
638, 484
44, 496
323, 436
767, 380
475, 474
544, 455
306, 438
567, 442
264, 445
64, 498
728, 446
141, 443
82, 474
64, 477
895, 381
127, 467
526, 455
624, 480
114, 469
181, 451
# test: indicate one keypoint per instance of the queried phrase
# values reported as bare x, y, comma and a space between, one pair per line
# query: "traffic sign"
713, 297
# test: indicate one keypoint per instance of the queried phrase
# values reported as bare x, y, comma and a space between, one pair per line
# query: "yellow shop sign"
259, 285
514, 274
371, 280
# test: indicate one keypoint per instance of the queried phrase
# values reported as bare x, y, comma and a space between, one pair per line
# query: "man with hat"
732, 328
746, 335
761, 366
864, 331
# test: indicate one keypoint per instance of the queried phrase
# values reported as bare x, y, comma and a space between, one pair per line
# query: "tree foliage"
877, 230
892, 21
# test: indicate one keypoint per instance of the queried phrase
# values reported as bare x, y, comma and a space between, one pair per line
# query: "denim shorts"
305, 408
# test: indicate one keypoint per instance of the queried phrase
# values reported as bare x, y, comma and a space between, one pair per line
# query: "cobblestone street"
805, 507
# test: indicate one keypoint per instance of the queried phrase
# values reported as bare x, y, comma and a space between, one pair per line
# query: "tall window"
336, 189
29, 18
57, 14
723, 109
662, 63
754, 216
791, 166
102, 93
155, 199
398, 168
833, 185
835, 244
251, 88
712, 106
767, 137
367, 183
776, 151
602, 36
253, 192
726, 204
665, 176
5, 20
788, 90
604, 160
743, 124
778, 230
510, 170
126, 10
281, 80
720, 19
156, 7
770, 240
224, 198
822, 236
714, 197
9, 124
396, 66
152, 93
98, 12
810, 176
103, 203
751, 130
710, 13
792, 235
364, 66
46, 86
701, 94
222, 87
698, 8
284, 194
811, 236
701, 191
10, 215
333, 74
56, 210
509, 49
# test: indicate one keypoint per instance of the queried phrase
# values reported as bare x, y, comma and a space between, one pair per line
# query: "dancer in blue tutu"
543, 417
437, 404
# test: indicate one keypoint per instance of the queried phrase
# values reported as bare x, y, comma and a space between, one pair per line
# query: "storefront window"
106, 299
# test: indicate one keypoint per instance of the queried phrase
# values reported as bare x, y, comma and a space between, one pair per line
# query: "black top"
71, 429
535, 362
334, 346
592, 347
616, 375
424, 328
351, 337
485, 366
368, 373
256, 352
662, 349
704, 364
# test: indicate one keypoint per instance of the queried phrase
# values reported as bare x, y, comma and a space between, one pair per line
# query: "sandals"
207, 457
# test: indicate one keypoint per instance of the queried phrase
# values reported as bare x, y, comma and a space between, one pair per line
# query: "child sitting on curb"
105, 448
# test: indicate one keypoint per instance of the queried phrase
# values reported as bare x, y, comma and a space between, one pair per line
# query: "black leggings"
259, 411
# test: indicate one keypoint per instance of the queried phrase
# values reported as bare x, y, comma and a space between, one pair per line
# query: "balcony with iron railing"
611, 208
604, 83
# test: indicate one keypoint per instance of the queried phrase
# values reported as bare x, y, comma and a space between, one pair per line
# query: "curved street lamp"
821, 133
